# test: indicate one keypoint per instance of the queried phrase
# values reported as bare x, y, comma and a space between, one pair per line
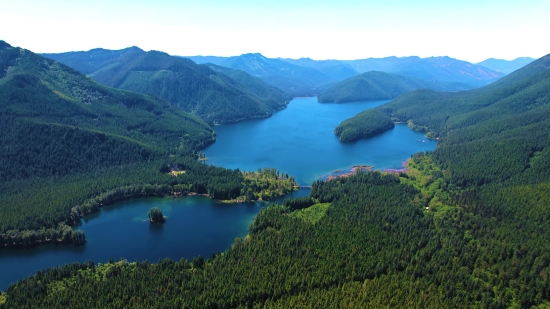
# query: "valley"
451, 211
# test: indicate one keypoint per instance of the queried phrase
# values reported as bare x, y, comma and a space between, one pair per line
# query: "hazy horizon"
470, 30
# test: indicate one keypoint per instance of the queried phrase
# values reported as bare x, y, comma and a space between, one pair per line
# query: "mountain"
64, 137
440, 113
466, 218
336, 70
436, 112
375, 85
292, 79
437, 69
197, 89
260, 88
38, 93
71, 145
95, 60
505, 66
511, 116
306, 77
465, 227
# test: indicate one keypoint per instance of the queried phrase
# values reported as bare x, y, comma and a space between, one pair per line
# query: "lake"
298, 140
196, 225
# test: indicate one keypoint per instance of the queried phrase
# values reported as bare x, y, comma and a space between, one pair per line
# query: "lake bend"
298, 140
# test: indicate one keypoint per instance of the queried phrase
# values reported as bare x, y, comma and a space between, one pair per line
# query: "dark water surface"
195, 225
298, 140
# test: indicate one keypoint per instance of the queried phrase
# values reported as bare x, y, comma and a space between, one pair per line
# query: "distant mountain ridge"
505, 66
439, 112
253, 84
377, 85
336, 70
293, 79
213, 96
456, 74
438, 69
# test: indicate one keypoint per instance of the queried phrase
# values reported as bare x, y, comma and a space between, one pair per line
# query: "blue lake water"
298, 140
195, 225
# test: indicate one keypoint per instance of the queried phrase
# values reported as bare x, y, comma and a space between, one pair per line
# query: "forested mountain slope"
292, 79
439, 69
466, 227
376, 85
438, 112
255, 85
336, 70
197, 89
474, 126
70, 145
40, 97
57, 123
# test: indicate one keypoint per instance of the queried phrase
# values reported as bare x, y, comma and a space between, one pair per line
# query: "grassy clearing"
311, 214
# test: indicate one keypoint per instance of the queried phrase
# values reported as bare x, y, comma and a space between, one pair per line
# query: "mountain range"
293, 79
211, 95
308, 77
505, 66
437, 69
464, 226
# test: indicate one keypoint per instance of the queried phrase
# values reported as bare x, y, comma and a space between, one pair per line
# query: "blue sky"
345, 29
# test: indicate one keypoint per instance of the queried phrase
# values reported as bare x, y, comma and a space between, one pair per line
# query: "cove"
195, 225
300, 140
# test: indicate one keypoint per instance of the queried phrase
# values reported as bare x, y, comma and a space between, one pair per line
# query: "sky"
319, 29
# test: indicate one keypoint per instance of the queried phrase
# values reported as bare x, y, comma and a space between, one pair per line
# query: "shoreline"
404, 168
346, 173
93, 210
368, 168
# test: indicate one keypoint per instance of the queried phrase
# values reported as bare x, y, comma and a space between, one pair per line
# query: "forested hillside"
70, 145
438, 69
197, 89
466, 227
271, 95
55, 121
376, 85
374, 246
293, 79
363, 125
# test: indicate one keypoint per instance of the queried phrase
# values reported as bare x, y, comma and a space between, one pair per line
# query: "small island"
155, 215
363, 125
